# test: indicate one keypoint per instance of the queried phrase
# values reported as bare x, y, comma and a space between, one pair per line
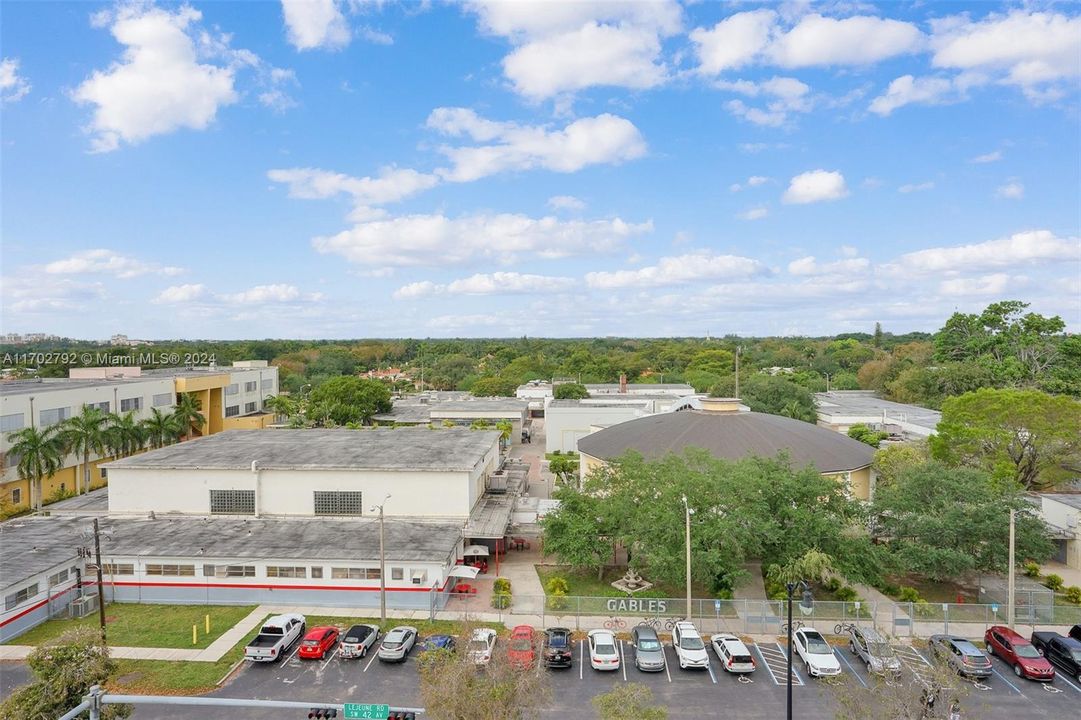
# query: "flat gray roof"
1071, 499
33, 545
658, 386
45, 385
91, 503
730, 436
511, 406
865, 403
595, 404
443, 449
406, 413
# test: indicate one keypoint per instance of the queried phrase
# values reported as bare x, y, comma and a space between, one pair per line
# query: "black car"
1064, 652
557, 647
1075, 632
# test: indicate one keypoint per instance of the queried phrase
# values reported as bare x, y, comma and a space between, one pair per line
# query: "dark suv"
557, 647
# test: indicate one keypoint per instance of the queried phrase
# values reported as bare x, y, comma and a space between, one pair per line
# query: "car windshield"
1026, 651
392, 644
604, 649
1076, 655
649, 644
557, 641
817, 644
692, 642
521, 644
478, 646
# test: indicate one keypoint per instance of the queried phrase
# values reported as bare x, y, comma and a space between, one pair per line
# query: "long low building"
189, 560
839, 410
437, 473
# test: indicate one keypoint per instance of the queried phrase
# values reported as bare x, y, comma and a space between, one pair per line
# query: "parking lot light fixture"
687, 509
382, 565
807, 601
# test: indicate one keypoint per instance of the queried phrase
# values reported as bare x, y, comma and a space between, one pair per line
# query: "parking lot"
686, 693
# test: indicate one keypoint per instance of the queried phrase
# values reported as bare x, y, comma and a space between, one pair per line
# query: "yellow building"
720, 428
229, 397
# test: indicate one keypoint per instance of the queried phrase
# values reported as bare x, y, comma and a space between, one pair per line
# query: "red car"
520, 651
1019, 653
318, 642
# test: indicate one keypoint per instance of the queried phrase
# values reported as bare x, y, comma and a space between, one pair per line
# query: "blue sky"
339, 169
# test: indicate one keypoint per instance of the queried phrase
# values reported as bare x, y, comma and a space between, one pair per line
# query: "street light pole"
791, 588
1010, 585
382, 565
687, 510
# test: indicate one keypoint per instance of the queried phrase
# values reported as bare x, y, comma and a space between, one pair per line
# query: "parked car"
397, 643
1019, 653
1075, 632
964, 657
318, 642
481, 645
520, 652
689, 647
869, 645
648, 651
557, 647
603, 654
816, 653
438, 642
735, 657
358, 640
1063, 652
275, 638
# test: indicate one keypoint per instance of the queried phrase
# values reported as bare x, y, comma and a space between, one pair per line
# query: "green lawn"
585, 584
132, 625
550, 456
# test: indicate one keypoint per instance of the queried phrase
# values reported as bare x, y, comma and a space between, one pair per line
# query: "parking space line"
850, 667
665, 654
581, 657
796, 679
765, 662
1059, 676
1003, 678
371, 660
330, 656
622, 662
709, 666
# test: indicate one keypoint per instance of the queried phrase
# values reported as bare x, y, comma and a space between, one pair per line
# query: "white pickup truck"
275, 638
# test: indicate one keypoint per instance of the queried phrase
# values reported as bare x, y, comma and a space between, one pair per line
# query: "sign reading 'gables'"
634, 605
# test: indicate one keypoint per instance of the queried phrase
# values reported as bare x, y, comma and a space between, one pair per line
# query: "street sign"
994, 608
717, 605
363, 711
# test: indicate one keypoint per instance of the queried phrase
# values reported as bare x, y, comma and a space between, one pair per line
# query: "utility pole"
382, 565
687, 511
739, 350
101, 592
1010, 582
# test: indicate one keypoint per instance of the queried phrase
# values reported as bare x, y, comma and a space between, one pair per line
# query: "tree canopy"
570, 391
351, 399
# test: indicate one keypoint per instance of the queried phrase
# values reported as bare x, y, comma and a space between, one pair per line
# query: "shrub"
724, 594
501, 601
557, 601
1053, 581
1032, 569
924, 608
1073, 594
501, 585
557, 586
909, 594
831, 585
846, 594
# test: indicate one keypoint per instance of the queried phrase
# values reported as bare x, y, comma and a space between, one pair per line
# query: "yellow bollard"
208, 623
194, 634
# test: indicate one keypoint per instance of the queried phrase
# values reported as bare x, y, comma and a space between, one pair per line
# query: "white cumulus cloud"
390, 185
13, 87
677, 270
755, 213
784, 95
177, 294
507, 146
916, 187
908, 89
1029, 247
987, 158
809, 266
107, 262
261, 294
315, 24
566, 202
1013, 190
498, 283
995, 284
815, 186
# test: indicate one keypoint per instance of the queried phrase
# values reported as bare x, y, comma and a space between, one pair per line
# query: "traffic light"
320, 713
401, 715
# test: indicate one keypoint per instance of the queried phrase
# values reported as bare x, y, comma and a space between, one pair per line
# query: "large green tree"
570, 391
84, 434
1023, 435
940, 522
189, 414
40, 454
352, 399
493, 387
63, 672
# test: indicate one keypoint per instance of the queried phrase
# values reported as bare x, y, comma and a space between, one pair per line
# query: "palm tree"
162, 428
188, 415
125, 434
41, 454
505, 428
282, 405
84, 434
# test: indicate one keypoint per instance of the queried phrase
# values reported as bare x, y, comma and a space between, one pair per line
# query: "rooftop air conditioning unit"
81, 607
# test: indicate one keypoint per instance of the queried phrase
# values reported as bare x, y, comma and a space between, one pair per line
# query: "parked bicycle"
842, 628
670, 623
653, 622
615, 623
796, 625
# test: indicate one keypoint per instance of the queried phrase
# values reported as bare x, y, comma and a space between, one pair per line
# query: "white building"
839, 410
568, 421
1062, 513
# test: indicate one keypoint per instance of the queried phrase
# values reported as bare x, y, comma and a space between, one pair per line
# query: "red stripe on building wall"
37, 605
264, 586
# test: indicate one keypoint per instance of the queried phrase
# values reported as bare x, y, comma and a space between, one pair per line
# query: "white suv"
689, 647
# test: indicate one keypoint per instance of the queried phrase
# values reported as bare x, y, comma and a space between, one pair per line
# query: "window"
354, 573
232, 410
118, 569
251, 386
104, 407
286, 572
60, 577
104, 473
232, 389
18, 598
228, 571
12, 422
317, 572
53, 416
232, 502
338, 502
268, 384
129, 404
162, 399
16, 496
397, 573
250, 407
170, 570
